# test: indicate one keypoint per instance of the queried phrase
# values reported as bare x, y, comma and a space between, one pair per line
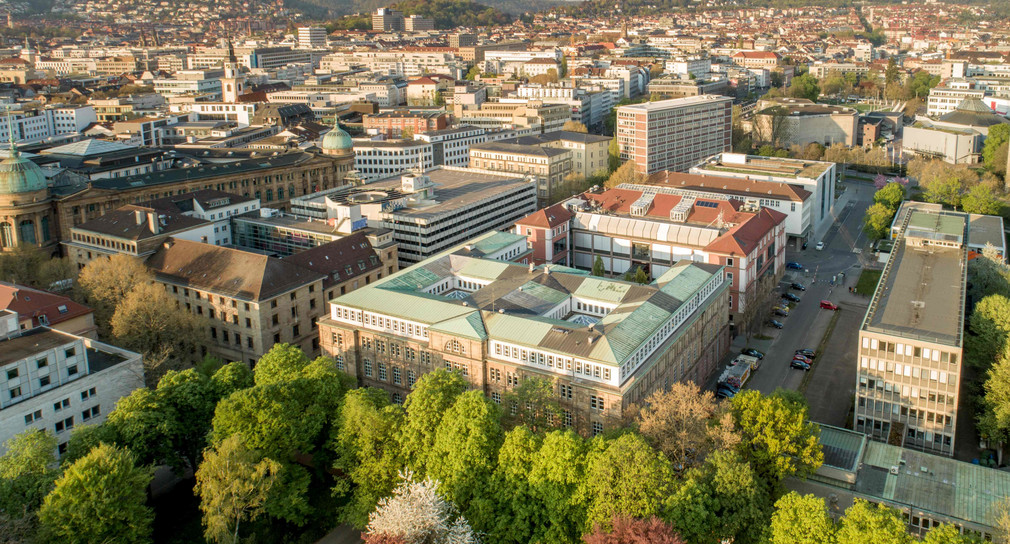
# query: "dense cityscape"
522, 272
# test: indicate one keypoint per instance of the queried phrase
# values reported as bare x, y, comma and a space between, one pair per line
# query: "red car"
828, 305
806, 360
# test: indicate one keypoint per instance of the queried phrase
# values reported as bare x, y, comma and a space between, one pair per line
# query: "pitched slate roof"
35, 303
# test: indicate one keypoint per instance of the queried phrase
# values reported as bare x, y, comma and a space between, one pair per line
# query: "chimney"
139, 216
152, 222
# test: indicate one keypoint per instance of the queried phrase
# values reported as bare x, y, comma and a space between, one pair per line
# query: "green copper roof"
600, 289
20, 175
467, 326
337, 140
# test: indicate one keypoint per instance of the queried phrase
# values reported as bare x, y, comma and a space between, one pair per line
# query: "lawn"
868, 281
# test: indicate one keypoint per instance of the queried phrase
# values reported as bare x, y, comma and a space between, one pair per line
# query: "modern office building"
311, 37
377, 159
386, 19
392, 124
674, 134
451, 146
428, 212
53, 380
416, 23
910, 342
603, 344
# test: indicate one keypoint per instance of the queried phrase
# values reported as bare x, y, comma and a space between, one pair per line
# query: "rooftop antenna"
10, 133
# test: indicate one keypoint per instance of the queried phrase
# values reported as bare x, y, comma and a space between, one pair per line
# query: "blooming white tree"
417, 513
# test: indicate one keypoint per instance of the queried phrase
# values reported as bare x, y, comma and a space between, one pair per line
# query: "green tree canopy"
777, 439
998, 135
26, 471
233, 483
598, 267
624, 477
801, 519
890, 195
804, 86
533, 403
100, 498
982, 199
509, 510
466, 442
433, 395
880, 524
877, 221
988, 328
556, 475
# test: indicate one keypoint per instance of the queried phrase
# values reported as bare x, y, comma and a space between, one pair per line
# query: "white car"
819, 246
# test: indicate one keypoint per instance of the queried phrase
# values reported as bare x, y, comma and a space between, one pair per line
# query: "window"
396, 375
66, 424
596, 403
71, 370
15, 392
44, 381
33, 417
368, 367
42, 363
568, 418
12, 374
94, 411
70, 352
597, 428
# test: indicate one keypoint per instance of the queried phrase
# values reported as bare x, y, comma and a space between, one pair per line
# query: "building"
550, 166
781, 181
653, 227
674, 134
956, 137
547, 233
375, 159
47, 123
386, 19
910, 342
927, 489
796, 121
100, 159
392, 123
451, 146
534, 114
676, 87
984, 231
416, 23
757, 59
462, 39
589, 107
53, 381
590, 152
603, 344
946, 98
311, 37
38, 308
427, 212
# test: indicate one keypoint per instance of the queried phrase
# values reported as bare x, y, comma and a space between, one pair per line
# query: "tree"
574, 126
233, 483
994, 421
473, 73
417, 513
626, 530
31, 266
640, 276
613, 155
627, 173
100, 498
106, 282
148, 320
624, 477
407, 133
189, 400
998, 135
467, 439
366, 452
683, 423
508, 509
989, 327
804, 86
776, 437
879, 524
230, 378
26, 472
723, 500
433, 395
948, 533
140, 422
877, 221
85, 438
556, 474
890, 195
891, 73
982, 199
801, 519
598, 269
533, 403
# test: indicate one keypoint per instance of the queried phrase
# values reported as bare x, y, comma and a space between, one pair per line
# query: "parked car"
723, 393
798, 286
793, 265
819, 246
783, 312
804, 245
806, 360
727, 385
828, 305
799, 364
791, 297
806, 353
776, 324
753, 353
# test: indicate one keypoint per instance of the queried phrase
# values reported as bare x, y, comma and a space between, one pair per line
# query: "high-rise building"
416, 23
310, 37
387, 19
674, 134
910, 342
462, 39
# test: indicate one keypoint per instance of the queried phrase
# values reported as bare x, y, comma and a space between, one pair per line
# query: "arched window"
6, 235
26, 232
455, 347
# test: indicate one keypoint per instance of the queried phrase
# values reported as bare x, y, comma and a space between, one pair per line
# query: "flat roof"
728, 164
905, 478
675, 103
290, 222
921, 295
986, 229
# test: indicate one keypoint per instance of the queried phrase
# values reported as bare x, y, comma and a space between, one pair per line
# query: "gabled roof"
332, 259
549, 217
88, 148
30, 303
229, 272
132, 222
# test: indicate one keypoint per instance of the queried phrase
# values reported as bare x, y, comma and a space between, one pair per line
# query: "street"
830, 386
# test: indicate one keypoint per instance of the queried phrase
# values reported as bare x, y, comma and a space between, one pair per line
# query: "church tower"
233, 82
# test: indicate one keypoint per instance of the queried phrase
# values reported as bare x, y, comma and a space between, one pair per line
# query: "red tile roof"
547, 217
33, 303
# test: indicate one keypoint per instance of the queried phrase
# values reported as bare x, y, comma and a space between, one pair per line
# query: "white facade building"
310, 37
374, 159
51, 380
48, 123
451, 146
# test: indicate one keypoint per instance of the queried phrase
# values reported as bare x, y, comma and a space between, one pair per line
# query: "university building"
604, 344
910, 342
